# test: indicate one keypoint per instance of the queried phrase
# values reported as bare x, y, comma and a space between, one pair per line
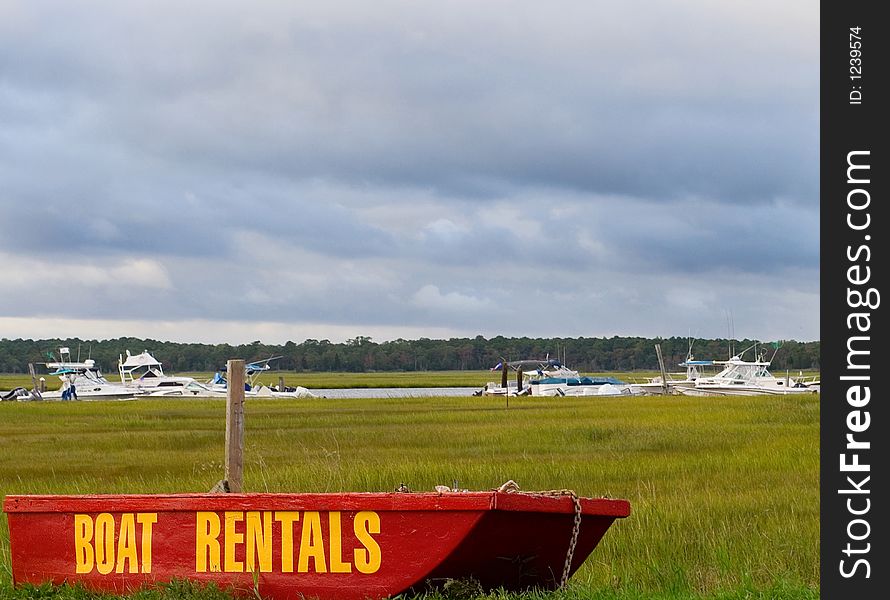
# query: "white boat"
80, 381
193, 389
85, 384
254, 389
747, 378
144, 375
675, 381
549, 377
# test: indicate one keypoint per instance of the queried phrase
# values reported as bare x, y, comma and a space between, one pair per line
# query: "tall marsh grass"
724, 492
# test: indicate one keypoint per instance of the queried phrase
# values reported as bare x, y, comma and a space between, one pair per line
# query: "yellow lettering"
207, 542
104, 543
336, 545
232, 539
126, 544
146, 520
259, 541
287, 518
311, 544
367, 559
83, 548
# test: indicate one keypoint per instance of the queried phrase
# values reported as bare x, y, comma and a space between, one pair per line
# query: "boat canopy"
65, 371
140, 360
538, 364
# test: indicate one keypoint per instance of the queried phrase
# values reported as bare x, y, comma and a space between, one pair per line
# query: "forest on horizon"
362, 354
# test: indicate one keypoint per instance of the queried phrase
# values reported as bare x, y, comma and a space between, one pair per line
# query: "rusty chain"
511, 487
574, 541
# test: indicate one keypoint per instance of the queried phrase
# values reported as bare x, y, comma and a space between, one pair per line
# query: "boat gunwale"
547, 502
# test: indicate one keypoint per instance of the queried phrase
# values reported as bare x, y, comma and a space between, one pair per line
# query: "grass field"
724, 491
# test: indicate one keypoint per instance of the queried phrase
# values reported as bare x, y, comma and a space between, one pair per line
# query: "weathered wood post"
664, 381
280, 384
37, 388
504, 380
234, 425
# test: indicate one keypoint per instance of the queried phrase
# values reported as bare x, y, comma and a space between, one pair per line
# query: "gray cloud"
458, 166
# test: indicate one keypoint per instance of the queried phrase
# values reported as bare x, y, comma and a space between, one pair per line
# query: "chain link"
571, 551
511, 487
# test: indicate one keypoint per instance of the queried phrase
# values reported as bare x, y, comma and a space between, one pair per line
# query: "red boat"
338, 546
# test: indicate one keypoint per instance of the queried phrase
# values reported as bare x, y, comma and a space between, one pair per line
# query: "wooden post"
280, 384
234, 425
504, 381
664, 381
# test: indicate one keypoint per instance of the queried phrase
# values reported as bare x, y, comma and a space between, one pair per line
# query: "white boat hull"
606, 389
657, 389
744, 391
91, 394
195, 391
746, 378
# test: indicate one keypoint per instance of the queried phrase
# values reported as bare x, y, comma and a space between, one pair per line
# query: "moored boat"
747, 378
331, 546
255, 389
549, 377
675, 385
86, 384
81, 380
144, 375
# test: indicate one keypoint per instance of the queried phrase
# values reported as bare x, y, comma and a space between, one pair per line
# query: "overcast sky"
227, 171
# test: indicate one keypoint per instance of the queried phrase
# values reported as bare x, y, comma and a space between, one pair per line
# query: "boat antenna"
776, 346
754, 345
730, 331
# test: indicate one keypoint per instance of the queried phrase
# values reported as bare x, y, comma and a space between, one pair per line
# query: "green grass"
724, 491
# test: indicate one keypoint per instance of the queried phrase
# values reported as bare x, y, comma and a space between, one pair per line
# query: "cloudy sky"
227, 171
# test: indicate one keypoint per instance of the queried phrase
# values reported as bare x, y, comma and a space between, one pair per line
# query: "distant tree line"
362, 354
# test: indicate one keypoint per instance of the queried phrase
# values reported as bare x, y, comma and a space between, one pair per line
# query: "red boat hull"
338, 546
